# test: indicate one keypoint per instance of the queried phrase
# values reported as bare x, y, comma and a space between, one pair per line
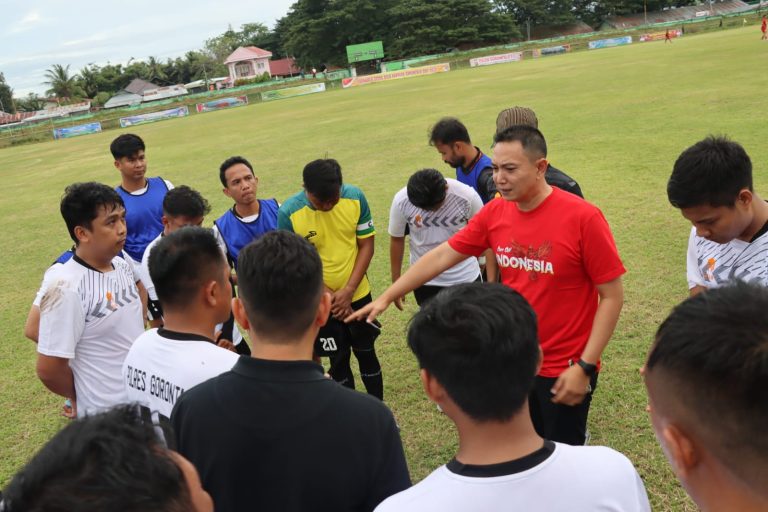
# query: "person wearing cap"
525, 116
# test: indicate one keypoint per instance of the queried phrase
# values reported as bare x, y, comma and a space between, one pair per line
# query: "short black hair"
108, 461
126, 145
530, 138
711, 172
186, 201
322, 178
280, 281
426, 188
81, 204
479, 340
182, 262
711, 354
447, 131
229, 162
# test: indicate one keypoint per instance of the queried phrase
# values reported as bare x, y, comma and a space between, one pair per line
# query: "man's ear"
541, 165
226, 192
165, 221
432, 388
238, 310
82, 234
117, 164
745, 197
681, 450
323, 309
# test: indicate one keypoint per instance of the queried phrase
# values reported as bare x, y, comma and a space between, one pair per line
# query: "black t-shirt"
279, 435
559, 179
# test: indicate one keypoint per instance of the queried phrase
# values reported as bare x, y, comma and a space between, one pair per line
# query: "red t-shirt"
554, 256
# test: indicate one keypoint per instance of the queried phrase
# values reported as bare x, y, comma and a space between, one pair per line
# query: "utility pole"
645, 10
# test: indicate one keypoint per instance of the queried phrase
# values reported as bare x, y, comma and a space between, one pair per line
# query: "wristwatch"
589, 369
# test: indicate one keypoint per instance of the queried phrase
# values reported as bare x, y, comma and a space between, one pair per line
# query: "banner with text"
496, 59
658, 36
608, 43
289, 92
74, 131
395, 75
552, 50
154, 116
222, 103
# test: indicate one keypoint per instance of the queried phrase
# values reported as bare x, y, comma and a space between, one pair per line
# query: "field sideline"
615, 119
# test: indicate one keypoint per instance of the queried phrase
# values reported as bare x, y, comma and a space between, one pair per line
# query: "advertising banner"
74, 131
222, 103
154, 116
496, 59
289, 92
395, 75
608, 43
337, 75
658, 36
552, 50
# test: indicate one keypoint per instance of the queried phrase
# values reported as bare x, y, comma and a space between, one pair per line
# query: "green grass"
615, 119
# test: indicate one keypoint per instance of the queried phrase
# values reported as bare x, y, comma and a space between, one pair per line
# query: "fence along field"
615, 119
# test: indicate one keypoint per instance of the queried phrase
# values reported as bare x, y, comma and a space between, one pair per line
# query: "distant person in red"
764, 28
667, 37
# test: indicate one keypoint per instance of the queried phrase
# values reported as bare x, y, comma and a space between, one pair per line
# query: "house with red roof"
284, 67
247, 62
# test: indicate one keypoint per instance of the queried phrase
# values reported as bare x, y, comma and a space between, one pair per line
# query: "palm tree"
88, 80
62, 85
156, 73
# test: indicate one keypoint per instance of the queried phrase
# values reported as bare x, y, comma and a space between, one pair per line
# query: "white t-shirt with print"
92, 319
710, 264
428, 229
161, 365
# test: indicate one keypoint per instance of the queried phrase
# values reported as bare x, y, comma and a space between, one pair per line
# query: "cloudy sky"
35, 34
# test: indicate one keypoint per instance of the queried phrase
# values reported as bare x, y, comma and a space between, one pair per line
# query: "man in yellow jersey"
335, 218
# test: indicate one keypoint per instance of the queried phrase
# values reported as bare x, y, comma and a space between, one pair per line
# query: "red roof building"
283, 67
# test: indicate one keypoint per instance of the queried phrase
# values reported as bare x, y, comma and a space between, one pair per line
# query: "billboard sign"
289, 92
222, 103
365, 51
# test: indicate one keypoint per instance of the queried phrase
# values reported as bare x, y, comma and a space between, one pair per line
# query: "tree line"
316, 33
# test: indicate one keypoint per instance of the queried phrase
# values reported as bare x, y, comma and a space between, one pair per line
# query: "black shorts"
336, 336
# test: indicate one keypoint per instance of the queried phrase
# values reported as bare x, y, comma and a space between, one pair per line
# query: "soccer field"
615, 119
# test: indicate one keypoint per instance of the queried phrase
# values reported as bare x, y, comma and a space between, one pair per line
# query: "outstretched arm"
435, 262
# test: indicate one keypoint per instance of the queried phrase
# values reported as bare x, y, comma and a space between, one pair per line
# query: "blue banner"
74, 131
607, 43
153, 116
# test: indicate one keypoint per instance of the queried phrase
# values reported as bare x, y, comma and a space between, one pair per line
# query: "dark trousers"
360, 341
557, 422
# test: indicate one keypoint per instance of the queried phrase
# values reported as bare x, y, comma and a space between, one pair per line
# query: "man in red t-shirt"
764, 28
558, 252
